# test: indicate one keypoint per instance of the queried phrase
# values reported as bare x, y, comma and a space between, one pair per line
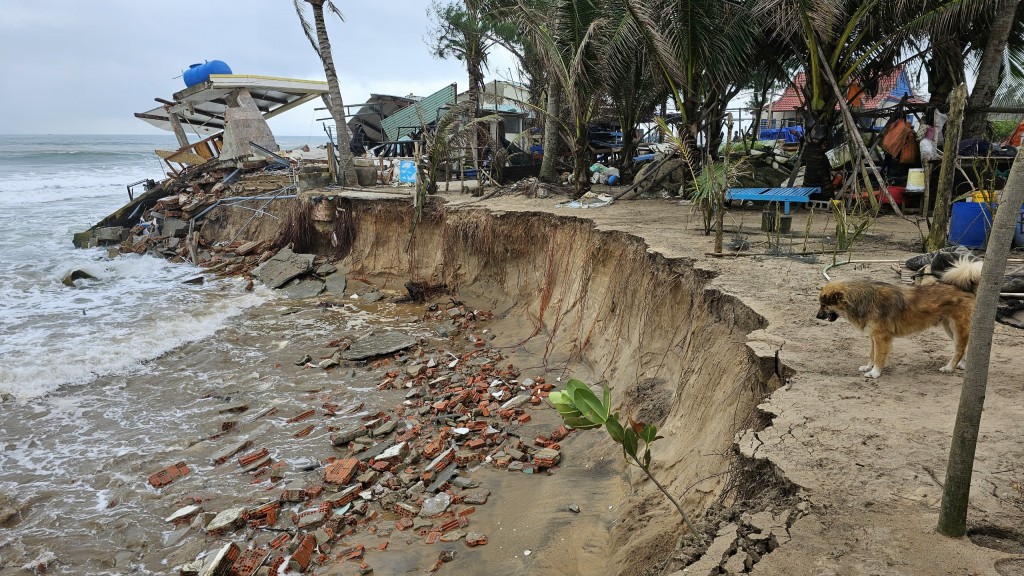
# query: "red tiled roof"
792, 97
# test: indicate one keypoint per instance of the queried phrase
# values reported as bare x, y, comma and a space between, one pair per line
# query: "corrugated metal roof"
427, 110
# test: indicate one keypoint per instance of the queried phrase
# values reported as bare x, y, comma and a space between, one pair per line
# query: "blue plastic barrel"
199, 73
969, 224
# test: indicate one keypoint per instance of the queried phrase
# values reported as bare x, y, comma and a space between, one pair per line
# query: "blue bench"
784, 195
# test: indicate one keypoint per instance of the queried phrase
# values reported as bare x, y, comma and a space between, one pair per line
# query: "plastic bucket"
897, 194
915, 179
969, 224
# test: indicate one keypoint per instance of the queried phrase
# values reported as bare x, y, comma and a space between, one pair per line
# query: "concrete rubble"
402, 473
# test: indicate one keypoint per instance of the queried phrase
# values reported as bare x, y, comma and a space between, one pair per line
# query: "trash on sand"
588, 200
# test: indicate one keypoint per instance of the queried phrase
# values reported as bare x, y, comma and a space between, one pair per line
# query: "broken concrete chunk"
342, 438
336, 283
183, 513
383, 430
222, 456
435, 506
282, 267
227, 519
476, 496
299, 289
378, 345
174, 227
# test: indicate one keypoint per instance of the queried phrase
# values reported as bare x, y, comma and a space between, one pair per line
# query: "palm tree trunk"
956, 492
988, 71
548, 165
944, 194
334, 102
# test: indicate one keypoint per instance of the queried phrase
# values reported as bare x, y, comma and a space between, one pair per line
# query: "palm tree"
702, 51
567, 34
317, 36
1007, 15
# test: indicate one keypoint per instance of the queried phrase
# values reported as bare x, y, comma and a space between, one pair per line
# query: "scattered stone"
375, 296
306, 359
436, 506
574, 508
198, 280
378, 345
282, 267
476, 497
226, 519
300, 289
325, 270
453, 536
336, 283
70, 277
183, 513
174, 228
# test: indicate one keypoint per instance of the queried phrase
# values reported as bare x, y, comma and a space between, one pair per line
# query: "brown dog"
886, 311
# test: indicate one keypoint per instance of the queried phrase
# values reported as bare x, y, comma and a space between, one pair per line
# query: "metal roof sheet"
426, 111
202, 106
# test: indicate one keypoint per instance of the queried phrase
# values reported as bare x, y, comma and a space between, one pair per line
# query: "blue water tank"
199, 73
969, 224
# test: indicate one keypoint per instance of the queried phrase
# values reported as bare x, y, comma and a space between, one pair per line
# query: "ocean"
53, 335
110, 380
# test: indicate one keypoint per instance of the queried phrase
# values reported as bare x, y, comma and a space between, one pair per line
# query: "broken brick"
341, 471
168, 475
250, 561
302, 416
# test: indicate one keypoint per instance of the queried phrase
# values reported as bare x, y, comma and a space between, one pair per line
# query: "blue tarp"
791, 134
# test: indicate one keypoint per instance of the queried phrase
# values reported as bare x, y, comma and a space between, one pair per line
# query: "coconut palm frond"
307, 26
330, 7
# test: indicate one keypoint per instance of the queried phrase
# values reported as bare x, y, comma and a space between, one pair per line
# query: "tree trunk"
581, 161
552, 132
335, 102
956, 492
944, 192
818, 170
991, 64
945, 71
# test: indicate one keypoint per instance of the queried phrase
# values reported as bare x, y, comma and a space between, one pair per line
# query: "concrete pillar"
244, 123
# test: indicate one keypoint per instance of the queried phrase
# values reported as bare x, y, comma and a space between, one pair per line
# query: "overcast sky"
84, 67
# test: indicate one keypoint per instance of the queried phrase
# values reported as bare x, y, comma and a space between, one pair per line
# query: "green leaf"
647, 458
607, 400
650, 433
580, 423
629, 442
615, 429
558, 397
591, 407
573, 385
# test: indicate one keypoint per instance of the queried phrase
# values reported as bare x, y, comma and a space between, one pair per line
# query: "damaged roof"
202, 106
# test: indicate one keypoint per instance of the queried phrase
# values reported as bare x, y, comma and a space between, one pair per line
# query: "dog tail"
965, 274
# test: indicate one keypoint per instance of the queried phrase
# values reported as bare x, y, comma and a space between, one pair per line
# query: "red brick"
168, 475
341, 471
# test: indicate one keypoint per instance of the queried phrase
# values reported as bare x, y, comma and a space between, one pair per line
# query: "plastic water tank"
199, 73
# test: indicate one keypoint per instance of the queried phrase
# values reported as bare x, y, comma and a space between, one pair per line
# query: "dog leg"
881, 342
871, 359
959, 335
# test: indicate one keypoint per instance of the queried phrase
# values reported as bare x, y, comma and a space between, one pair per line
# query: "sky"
85, 67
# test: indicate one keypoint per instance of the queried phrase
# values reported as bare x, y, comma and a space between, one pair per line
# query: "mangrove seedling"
581, 409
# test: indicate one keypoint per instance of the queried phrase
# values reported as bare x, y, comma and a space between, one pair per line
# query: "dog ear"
831, 298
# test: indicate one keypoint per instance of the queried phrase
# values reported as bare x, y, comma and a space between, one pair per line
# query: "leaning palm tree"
316, 33
999, 58
567, 33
